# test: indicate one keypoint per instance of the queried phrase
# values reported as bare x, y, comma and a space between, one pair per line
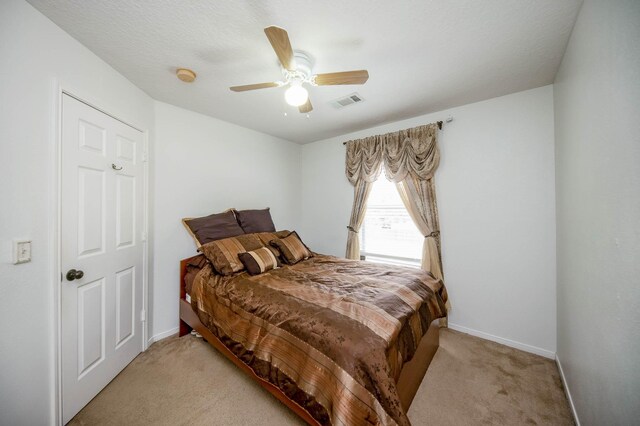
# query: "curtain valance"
410, 153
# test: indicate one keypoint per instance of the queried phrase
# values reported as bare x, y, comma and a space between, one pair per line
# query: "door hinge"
143, 315
145, 156
143, 237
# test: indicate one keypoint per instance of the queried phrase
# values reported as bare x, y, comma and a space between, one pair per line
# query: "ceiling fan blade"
279, 40
306, 107
254, 86
346, 77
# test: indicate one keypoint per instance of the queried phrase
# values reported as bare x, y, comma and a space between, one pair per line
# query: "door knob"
72, 274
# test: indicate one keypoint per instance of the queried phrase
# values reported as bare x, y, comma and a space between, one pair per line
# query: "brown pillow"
266, 237
213, 227
223, 254
292, 248
253, 221
259, 261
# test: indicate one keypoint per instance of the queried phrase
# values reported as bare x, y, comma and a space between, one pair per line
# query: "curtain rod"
439, 123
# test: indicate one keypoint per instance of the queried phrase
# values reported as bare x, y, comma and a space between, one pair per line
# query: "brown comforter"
331, 333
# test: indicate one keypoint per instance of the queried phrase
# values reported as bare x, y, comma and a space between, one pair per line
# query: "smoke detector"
186, 75
351, 99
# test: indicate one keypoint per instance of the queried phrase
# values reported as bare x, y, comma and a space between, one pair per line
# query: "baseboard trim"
163, 335
511, 343
567, 392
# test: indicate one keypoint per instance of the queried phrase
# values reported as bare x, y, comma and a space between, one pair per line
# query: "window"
388, 234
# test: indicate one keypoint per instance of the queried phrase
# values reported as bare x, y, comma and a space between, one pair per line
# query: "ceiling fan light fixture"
297, 68
296, 95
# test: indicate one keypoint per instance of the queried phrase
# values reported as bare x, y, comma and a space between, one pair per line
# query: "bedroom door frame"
59, 90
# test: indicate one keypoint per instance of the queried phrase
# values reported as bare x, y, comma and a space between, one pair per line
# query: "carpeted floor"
184, 381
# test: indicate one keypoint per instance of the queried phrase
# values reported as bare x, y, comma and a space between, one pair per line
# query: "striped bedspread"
331, 333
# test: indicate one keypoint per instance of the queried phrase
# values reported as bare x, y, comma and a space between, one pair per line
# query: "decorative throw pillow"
266, 237
292, 248
213, 227
252, 221
259, 261
223, 254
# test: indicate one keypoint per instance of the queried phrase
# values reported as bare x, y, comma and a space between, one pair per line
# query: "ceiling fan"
296, 69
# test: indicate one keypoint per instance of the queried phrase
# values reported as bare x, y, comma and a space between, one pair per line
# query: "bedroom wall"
495, 189
597, 102
36, 55
203, 166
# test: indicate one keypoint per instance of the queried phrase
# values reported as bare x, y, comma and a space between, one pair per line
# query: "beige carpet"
184, 381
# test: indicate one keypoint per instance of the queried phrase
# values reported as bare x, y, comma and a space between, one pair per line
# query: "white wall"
35, 54
495, 189
597, 114
203, 166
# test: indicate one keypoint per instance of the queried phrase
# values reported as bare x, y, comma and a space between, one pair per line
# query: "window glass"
388, 231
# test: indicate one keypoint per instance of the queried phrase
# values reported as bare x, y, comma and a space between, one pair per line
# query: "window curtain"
419, 198
360, 195
409, 158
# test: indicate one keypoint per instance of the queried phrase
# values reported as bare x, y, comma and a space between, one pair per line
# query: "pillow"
213, 227
266, 237
253, 221
292, 248
259, 261
223, 254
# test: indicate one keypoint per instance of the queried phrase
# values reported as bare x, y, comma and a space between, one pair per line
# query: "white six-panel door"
101, 226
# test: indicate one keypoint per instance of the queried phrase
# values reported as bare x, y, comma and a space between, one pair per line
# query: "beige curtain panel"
409, 158
419, 198
361, 192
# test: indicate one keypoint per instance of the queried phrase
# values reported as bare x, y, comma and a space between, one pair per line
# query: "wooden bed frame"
408, 383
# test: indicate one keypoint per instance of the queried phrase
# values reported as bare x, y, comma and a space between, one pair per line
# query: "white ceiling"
422, 56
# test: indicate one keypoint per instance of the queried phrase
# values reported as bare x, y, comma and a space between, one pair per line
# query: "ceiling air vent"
351, 99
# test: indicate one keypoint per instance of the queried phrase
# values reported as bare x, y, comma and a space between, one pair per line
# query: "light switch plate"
21, 251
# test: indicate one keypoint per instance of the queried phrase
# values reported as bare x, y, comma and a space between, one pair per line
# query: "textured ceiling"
422, 56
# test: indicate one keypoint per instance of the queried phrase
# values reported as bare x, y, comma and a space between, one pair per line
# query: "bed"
338, 341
